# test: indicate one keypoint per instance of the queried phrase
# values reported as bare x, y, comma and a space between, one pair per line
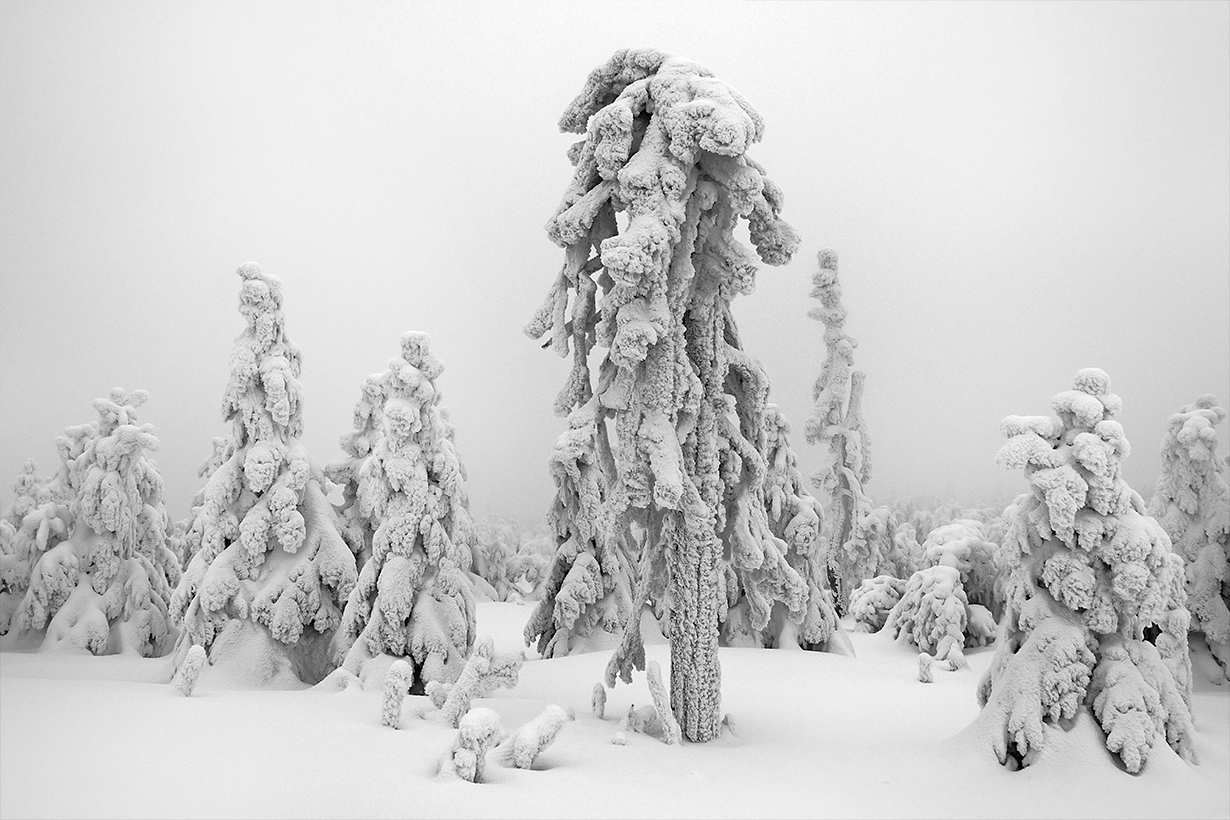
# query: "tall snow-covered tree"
97, 571
664, 456
272, 571
412, 599
853, 547
1094, 592
1192, 503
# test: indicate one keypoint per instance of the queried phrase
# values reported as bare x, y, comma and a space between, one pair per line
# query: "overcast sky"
1015, 190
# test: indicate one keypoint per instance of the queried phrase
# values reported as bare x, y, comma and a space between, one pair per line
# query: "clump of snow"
477, 732
184, 680
396, 686
522, 747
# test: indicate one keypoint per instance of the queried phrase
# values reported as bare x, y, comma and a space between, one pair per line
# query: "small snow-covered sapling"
185, 677
484, 672
597, 701
523, 746
477, 732
924, 668
396, 685
661, 701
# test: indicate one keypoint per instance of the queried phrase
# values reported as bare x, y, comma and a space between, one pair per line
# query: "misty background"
1015, 191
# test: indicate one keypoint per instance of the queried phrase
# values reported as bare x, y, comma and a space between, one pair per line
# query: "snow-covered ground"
815, 735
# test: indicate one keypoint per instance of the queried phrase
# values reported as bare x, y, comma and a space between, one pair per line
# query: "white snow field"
815, 735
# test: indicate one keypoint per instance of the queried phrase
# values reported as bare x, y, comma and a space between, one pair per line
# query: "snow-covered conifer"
98, 574
961, 545
672, 435
523, 746
855, 553
272, 571
25, 494
597, 701
935, 615
412, 600
1192, 503
1090, 575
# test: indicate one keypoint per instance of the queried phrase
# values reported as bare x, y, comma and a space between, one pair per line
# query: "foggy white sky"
1015, 191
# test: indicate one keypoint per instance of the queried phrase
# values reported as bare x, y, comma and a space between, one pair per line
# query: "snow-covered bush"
396, 687
272, 571
1192, 503
935, 615
409, 503
961, 545
477, 732
483, 673
1089, 576
523, 746
872, 599
855, 549
91, 553
671, 437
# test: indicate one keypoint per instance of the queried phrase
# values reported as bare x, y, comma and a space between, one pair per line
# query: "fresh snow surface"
815, 735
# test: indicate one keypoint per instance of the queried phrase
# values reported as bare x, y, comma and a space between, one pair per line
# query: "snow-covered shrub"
1192, 503
272, 571
597, 701
523, 746
872, 599
477, 732
855, 548
935, 615
671, 437
961, 545
409, 504
483, 673
1089, 575
91, 553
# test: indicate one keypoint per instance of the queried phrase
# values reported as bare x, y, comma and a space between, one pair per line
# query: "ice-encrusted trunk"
670, 440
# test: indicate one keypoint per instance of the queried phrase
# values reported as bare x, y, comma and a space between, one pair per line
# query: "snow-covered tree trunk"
1192, 503
1090, 578
837, 420
671, 438
272, 570
412, 600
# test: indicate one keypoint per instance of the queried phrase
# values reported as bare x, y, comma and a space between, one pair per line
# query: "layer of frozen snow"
815, 734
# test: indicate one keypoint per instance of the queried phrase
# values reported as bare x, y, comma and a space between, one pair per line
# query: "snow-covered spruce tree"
1089, 576
794, 518
854, 553
961, 545
99, 572
673, 434
412, 600
1192, 503
264, 592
